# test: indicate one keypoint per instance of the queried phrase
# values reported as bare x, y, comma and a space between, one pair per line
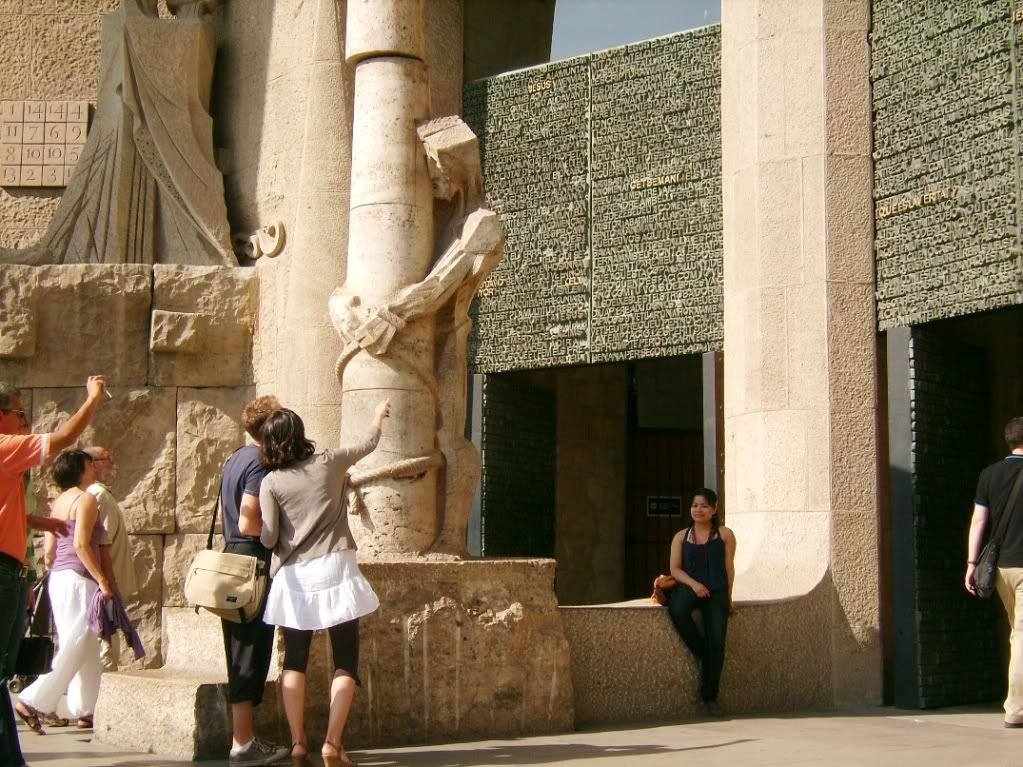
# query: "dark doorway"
665, 463
952, 385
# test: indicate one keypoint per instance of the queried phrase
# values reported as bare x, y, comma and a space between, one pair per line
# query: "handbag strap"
31, 612
213, 521
1003, 520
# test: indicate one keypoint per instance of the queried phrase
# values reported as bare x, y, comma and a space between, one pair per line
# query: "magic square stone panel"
946, 101
41, 141
606, 173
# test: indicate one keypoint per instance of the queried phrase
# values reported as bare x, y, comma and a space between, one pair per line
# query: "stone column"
391, 246
799, 349
307, 344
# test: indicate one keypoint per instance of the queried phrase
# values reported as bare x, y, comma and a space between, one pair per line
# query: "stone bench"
629, 664
185, 701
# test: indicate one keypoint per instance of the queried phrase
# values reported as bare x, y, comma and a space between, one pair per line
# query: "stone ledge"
629, 664
460, 649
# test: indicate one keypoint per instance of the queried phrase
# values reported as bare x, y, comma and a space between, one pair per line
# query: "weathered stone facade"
606, 171
62, 323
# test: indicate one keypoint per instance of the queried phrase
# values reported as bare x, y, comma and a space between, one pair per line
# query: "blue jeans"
13, 607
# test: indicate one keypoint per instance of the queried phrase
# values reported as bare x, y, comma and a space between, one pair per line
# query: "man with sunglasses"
20, 450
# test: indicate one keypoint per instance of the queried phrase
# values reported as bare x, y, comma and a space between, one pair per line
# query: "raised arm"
355, 453
75, 425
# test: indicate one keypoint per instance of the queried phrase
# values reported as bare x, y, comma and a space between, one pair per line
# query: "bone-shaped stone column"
391, 246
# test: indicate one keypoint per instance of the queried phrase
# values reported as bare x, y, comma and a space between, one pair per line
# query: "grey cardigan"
302, 509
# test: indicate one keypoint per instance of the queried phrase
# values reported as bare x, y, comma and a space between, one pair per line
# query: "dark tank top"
705, 562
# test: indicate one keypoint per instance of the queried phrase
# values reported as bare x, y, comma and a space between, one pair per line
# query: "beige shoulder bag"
231, 586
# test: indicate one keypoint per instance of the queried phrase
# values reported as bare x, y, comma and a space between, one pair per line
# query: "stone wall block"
444, 33
781, 262
177, 332
806, 341
57, 40
15, 58
817, 229
784, 486
228, 299
137, 426
145, 607
382, 28
804, 105
272, 274
848, 198
770, 108
847, 92
766, 346
178, 552
460, 652
209, 429
854, 565
853, 453
70, 7
110, 302
18, 298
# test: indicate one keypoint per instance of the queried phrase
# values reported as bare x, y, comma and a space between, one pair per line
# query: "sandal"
85, 722
52, 720
300, 760
31, 718
337, 759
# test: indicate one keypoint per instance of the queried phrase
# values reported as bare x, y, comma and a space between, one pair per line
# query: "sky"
584, 26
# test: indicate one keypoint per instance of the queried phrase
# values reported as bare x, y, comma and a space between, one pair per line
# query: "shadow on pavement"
525, 754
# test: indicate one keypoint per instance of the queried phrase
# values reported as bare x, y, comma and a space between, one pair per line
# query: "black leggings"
344, 647
709, 647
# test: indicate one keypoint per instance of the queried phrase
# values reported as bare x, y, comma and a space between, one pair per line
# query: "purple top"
66, 557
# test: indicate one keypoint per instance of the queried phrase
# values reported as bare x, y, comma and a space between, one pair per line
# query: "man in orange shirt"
19, 451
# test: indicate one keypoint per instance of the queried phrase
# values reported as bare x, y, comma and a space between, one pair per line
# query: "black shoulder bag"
987, 562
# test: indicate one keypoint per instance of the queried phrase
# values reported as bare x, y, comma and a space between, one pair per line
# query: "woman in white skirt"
75, 574
316, 580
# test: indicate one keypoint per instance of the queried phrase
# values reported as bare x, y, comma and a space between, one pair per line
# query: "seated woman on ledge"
702, 561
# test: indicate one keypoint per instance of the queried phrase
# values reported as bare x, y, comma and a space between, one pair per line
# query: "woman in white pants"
75, 574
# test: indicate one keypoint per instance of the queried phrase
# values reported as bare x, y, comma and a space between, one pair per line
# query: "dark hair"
1014, 433
283, 440
712, 498
68, 468
7, 394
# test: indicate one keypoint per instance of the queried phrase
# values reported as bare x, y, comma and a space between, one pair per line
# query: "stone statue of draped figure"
146, 188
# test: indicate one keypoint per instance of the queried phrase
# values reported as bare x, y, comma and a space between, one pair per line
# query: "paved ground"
880, 737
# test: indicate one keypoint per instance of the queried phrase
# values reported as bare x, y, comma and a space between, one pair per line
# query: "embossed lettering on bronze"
606, 172
946, 101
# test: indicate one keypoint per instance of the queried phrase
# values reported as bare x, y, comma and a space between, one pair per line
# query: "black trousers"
344, 648
248, 648
709, 646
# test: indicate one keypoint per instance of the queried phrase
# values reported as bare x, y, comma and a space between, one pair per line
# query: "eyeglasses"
21, 414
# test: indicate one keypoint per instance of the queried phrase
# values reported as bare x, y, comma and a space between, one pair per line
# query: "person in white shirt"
115, 551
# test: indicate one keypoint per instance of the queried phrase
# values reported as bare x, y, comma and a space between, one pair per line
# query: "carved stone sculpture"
146, 189
420, 243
